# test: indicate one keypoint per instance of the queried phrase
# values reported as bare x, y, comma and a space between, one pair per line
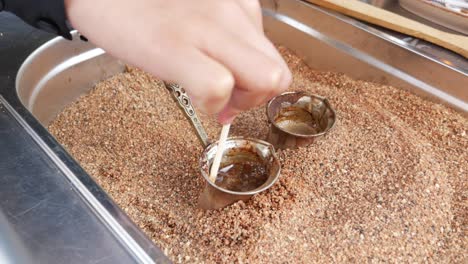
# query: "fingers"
209, 47
250, 29
240, 100
257, 39
259, 70
208, 83
253, 10
252, 69
286, 77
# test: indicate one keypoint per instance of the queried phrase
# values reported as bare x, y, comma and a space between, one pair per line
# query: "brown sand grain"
389, 182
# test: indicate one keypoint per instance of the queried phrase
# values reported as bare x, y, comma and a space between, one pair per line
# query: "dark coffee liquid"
243, 176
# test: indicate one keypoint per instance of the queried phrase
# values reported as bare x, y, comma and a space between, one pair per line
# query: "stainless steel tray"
438, 13
60, 71
326, 40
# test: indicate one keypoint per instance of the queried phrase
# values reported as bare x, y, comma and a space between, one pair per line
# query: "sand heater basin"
375, 164
386, 183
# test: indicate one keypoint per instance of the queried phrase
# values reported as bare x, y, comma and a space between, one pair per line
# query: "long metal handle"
183, 100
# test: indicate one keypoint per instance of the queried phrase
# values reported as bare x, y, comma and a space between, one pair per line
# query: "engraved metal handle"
183, 100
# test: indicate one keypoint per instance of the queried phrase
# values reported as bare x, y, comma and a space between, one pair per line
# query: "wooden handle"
380, 17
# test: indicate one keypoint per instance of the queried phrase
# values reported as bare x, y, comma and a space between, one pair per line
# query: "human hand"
215, 49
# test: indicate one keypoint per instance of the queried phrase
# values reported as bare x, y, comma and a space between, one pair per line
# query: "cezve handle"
183, 100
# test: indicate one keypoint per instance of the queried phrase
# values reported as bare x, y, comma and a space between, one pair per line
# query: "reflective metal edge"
105, 214
389, 57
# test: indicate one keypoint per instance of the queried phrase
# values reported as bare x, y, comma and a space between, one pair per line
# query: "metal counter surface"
394, 7
51, 223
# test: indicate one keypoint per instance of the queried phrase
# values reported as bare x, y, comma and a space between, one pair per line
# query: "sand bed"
388, 182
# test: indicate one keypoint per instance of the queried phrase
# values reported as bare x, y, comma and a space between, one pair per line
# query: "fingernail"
227, 120
277, 77
286, 79
227, 116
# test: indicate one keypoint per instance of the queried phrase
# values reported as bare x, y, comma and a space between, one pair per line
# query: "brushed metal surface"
333, 42
395, 7
48, 214
444, 17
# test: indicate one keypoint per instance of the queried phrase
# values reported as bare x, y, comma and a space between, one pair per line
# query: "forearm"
48, 15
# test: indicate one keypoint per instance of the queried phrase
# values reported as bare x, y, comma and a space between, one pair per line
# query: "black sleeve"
48, 15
